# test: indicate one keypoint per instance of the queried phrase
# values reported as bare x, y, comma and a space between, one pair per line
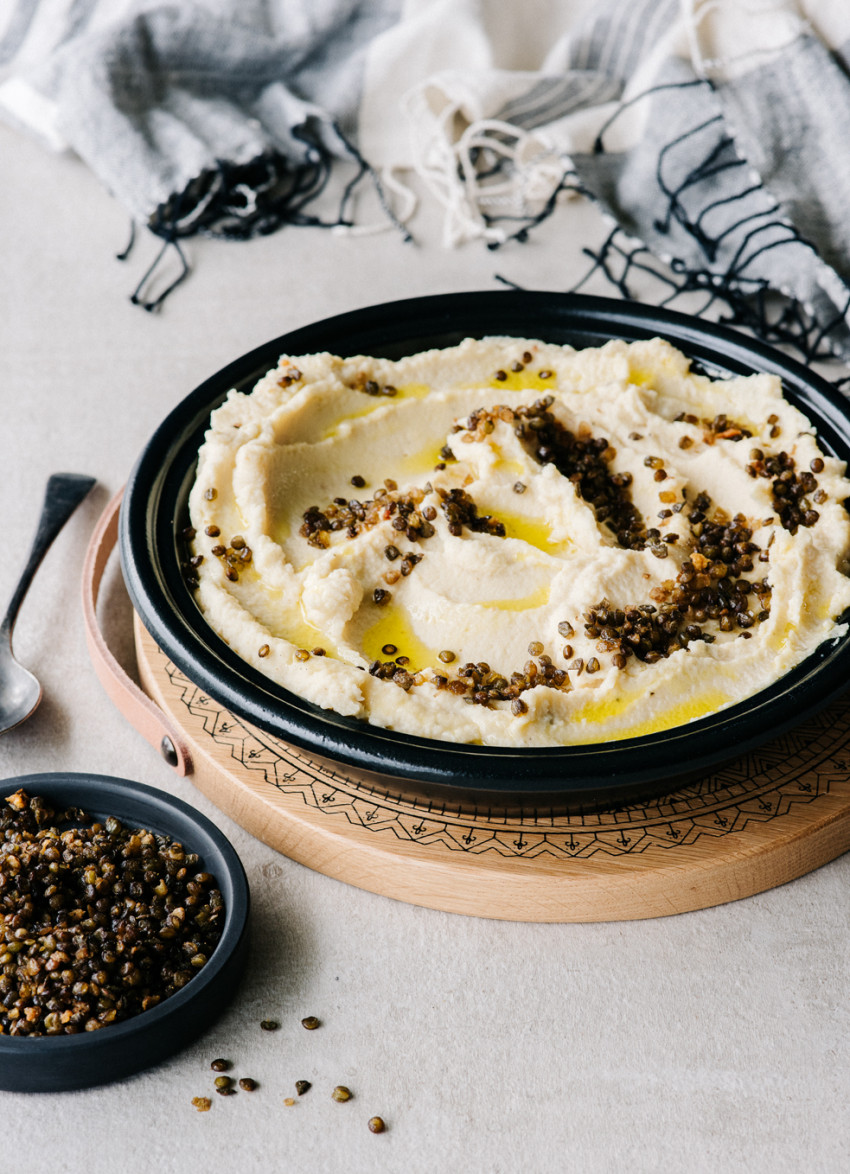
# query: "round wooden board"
762, 820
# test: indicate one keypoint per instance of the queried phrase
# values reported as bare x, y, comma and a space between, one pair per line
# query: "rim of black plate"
154, 511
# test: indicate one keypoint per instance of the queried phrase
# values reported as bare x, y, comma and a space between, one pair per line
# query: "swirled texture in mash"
514, 543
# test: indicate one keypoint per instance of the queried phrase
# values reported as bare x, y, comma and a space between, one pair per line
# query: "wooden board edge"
515, 889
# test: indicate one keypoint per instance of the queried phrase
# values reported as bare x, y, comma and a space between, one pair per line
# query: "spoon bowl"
20, 691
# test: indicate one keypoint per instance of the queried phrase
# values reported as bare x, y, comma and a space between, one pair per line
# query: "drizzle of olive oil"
641, 376
248, 573
538, 598
393, 627
372, 405
422, 461
779, 639
280, 528
532, 531
674, 715
507, 465
302, 634
409, 391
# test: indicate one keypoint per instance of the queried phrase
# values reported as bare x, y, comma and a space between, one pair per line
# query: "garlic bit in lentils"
514, 543
100, 921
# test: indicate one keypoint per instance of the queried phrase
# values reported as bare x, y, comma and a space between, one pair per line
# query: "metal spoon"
20, 691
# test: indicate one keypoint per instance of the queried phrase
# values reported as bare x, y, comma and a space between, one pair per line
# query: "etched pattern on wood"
798, 768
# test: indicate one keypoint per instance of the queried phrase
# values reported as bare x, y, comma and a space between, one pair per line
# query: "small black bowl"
154, 511
60, 1063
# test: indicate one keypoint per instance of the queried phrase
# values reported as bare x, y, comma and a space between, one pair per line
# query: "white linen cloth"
711, 131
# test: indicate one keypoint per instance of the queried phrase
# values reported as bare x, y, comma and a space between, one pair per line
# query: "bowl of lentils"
124, 929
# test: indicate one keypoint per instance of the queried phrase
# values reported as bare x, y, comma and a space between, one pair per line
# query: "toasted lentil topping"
583, 460
707, 588
233, 558
100, 922
680, 570
790, 490
720, 428
478, 684
362, 382
291, 375
400, 510
461, 511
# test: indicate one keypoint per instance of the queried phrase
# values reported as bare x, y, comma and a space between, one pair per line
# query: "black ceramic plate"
154, 512
59, 1063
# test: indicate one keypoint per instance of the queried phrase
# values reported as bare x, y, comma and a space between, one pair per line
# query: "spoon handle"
64, 493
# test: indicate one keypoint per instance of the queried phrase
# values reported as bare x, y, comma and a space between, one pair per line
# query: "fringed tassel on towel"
698, 172
731, 265
237, 203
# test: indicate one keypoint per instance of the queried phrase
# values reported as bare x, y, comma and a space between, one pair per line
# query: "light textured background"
712, 1041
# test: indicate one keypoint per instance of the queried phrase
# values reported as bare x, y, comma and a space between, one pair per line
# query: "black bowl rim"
34, 1063
600, 770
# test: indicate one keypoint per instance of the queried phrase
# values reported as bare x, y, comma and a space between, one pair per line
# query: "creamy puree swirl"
513, 543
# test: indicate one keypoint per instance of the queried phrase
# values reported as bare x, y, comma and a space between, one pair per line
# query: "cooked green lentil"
100, 922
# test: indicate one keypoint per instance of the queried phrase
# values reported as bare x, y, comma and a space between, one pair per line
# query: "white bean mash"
513, 543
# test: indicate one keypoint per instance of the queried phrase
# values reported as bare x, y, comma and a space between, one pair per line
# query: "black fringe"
742, 300
237, 203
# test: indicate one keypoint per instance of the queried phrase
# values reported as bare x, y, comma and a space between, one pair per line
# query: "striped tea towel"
710, 131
